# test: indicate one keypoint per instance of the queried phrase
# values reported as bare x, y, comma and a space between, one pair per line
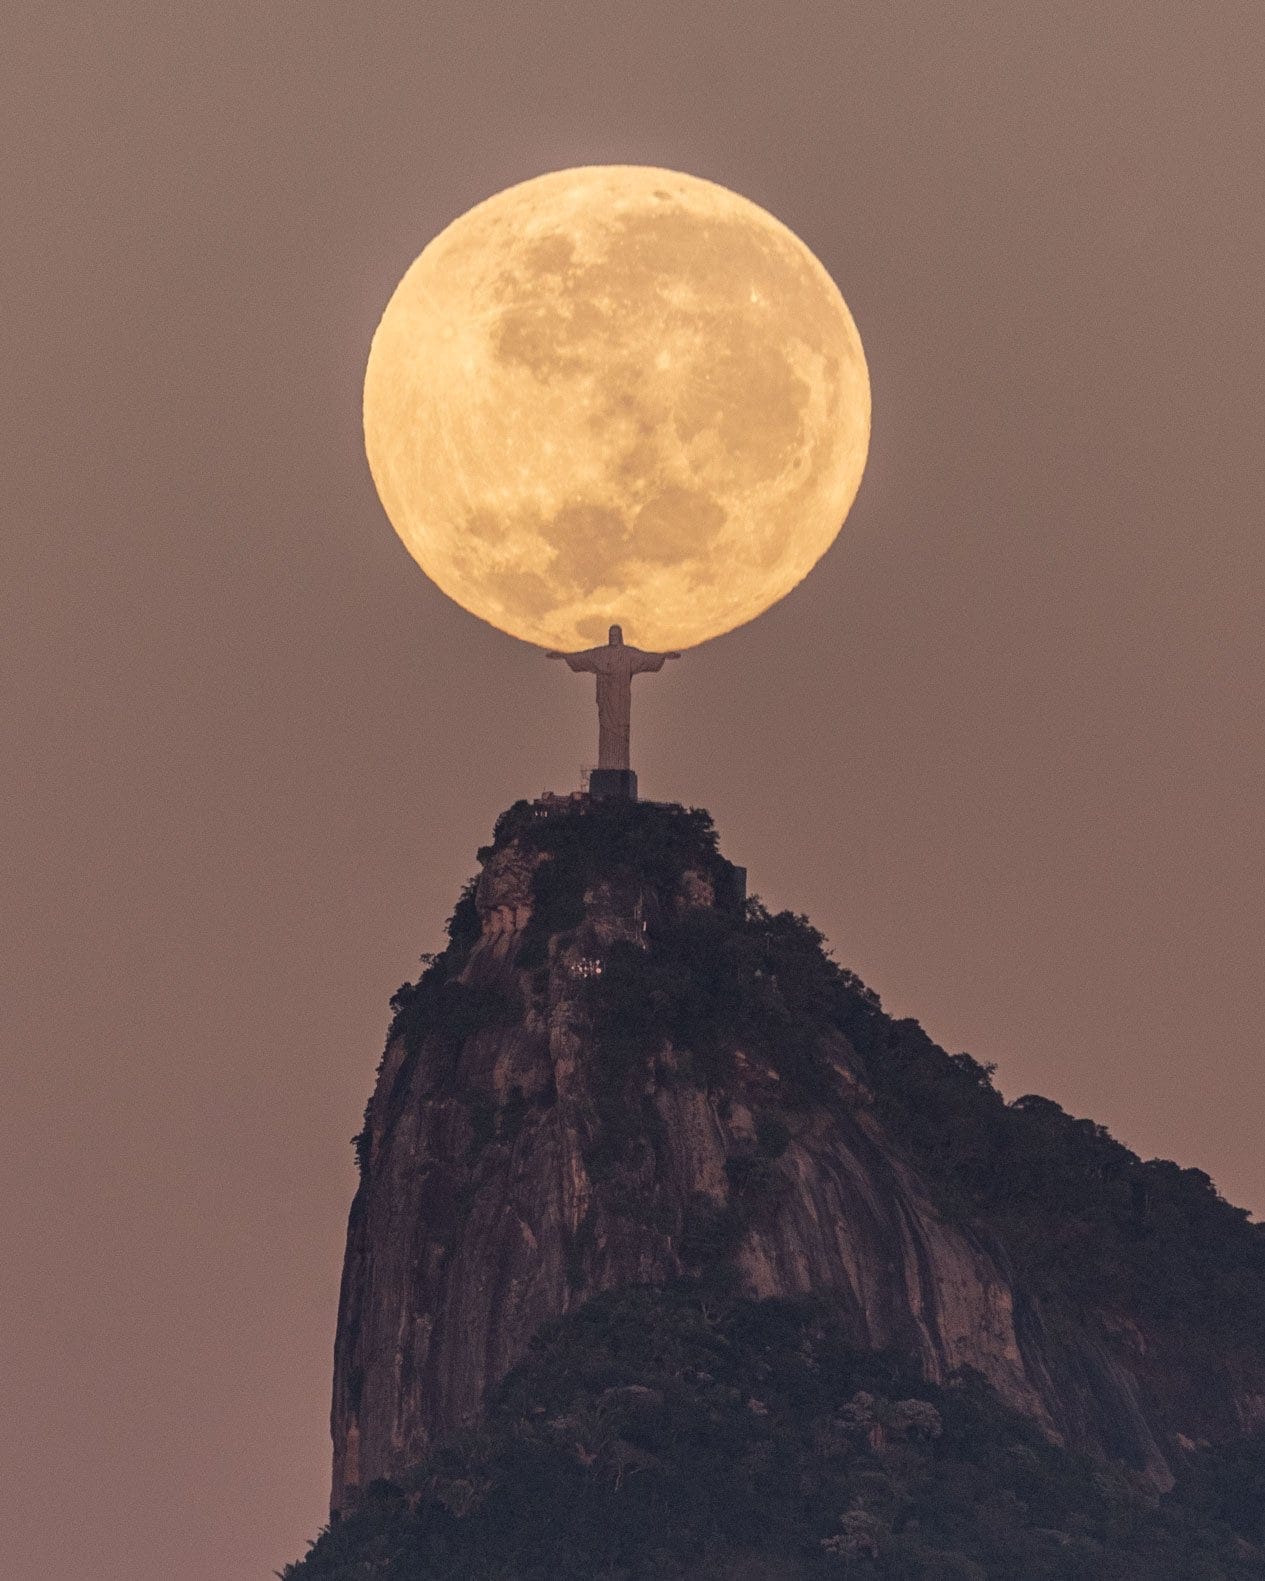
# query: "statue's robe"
614, 664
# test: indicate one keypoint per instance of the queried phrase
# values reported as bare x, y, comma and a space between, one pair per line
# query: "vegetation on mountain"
670, 1433
687, 1432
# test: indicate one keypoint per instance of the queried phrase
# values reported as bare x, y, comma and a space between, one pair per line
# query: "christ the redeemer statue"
614, 664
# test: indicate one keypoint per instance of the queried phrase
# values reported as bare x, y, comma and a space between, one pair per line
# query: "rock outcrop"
525, 1149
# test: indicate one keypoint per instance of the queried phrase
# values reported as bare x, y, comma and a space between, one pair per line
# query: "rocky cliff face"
543, 1129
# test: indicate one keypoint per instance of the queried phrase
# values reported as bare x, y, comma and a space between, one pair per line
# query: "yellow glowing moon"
616, 393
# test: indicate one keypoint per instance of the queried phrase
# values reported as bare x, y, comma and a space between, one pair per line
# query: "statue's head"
616, 636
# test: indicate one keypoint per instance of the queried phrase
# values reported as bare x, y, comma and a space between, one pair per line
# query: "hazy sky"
1003, 745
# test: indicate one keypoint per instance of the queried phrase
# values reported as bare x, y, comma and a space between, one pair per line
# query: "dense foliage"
1080, 1215
614, 842
660, 1434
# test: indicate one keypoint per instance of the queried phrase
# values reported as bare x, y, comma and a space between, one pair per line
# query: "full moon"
616, 394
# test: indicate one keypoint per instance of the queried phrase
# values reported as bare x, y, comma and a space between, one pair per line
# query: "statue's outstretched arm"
589, 659
648, 663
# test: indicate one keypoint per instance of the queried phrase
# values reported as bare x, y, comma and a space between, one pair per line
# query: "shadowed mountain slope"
619, 1075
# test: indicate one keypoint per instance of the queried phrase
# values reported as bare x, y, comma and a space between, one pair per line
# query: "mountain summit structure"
614, 663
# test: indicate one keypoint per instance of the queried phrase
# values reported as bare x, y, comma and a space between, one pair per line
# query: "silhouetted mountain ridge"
621, 1078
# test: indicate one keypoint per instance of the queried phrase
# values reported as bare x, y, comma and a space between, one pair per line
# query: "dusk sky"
1003, 746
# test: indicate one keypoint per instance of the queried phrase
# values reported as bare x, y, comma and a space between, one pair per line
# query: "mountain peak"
621, 1072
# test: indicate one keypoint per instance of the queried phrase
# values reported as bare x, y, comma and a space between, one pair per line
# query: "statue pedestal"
613, 785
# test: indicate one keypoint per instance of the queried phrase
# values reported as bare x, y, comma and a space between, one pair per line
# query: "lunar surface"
616, 394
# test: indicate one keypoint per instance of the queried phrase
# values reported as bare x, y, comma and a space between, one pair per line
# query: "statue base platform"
613, 785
